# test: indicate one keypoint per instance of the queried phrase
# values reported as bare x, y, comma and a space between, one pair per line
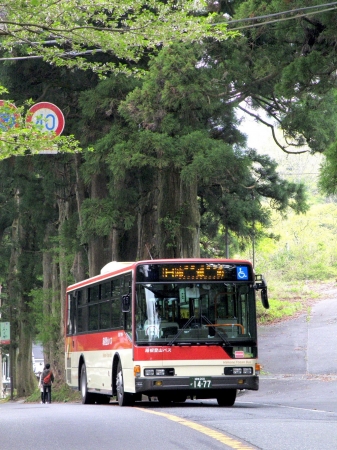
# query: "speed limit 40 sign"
47, 116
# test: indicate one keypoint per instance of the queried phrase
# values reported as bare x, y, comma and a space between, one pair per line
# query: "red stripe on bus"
179, 353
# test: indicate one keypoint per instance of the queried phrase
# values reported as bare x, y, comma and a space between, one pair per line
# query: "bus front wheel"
123, 398
227, 397
87, 397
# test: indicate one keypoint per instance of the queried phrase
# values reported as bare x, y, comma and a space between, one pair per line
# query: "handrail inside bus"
227, 325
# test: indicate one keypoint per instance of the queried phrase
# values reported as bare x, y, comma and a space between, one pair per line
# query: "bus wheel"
227, 397
124, 398
179, 398
164, 399
87, 397
102, 399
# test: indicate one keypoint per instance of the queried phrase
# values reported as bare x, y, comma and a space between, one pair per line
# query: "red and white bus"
170, 329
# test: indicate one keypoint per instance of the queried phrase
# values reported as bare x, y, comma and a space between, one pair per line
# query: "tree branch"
258, 118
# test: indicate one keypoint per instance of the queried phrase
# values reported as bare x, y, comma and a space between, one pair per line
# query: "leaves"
62, 32
19, 138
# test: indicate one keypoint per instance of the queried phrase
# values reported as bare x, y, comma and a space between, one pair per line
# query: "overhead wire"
289, 11
328, 7
283, 19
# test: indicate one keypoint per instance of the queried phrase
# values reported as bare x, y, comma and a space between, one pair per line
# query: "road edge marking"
221, 437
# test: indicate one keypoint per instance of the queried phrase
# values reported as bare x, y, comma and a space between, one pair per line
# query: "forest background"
163, 167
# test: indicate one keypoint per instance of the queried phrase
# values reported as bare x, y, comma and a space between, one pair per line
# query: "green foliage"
278, 310
306, 249
47, 324
286, 299
19, 138
61, 393
122, 30
328, 175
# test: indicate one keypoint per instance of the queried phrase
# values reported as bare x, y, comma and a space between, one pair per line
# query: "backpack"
47, 378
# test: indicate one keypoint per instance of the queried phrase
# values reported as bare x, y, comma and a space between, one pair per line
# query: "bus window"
82, 319
104, 315
106, 291
93, 317
94, 292
69, 313
115, 313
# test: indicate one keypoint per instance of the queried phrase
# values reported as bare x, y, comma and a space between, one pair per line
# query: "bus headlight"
239, 371
169, 372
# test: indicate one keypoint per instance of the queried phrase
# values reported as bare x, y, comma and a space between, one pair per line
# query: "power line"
290, 11
298, 16
331, 6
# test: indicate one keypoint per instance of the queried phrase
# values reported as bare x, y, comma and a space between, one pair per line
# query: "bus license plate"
200, 382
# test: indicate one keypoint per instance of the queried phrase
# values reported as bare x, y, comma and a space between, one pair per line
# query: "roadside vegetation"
61, 393
300, 266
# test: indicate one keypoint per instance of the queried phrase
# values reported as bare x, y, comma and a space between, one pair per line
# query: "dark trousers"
46, 394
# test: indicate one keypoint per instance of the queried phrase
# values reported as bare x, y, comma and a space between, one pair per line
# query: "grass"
61, 393
289, 299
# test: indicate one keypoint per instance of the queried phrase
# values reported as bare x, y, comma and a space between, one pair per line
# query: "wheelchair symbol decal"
242, 273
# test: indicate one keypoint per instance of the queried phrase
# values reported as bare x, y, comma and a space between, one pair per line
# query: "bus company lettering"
158, 350
107, 341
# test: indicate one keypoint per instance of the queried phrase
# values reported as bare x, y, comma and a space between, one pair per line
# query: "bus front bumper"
195, 385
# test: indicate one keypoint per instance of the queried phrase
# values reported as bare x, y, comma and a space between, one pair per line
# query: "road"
295, 408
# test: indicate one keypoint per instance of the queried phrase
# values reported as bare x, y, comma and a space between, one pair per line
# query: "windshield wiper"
181, 330
227, 343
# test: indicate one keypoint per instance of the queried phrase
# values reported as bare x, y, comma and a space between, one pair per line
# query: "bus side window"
82, 310
126, 292
69, 314
104, 315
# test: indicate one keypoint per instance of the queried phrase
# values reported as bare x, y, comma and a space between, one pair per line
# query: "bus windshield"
188, 313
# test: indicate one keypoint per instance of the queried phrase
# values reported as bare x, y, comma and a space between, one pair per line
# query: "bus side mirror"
260, 284
264, 298
126, 301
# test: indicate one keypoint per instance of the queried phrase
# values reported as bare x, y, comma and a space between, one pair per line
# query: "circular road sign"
8, 116
48, 116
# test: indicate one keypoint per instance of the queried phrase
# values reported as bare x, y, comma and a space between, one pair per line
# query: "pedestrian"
41, 387
47, 380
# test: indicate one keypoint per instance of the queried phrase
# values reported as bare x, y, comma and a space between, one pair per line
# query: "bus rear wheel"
123, 398
227, 397
87, 397
164, 399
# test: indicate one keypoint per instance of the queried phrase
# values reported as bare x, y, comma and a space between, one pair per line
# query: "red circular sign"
48, 116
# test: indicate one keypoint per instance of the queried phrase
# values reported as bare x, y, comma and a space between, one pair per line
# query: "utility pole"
1, 371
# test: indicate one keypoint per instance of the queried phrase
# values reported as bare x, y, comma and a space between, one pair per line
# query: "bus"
168, 329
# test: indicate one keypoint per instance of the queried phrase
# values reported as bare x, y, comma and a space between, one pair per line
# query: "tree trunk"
80, 263
169, 219
22, 365
189, 236
99, 247
13, 295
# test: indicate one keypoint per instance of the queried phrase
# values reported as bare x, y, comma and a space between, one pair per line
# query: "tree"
187, 133
68, 32
283, 64
169, 162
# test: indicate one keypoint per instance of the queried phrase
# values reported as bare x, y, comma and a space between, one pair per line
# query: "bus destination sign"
193, 272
